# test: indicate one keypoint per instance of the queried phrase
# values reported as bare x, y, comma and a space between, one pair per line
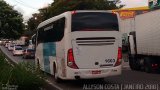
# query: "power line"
25, 4
22, 3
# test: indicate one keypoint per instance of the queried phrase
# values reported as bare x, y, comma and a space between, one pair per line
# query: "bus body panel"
49, 50
39, 56
60, 58
87, 73
95, 49
85, 56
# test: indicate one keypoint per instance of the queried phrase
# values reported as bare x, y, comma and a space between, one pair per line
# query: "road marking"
9, 62
53, 85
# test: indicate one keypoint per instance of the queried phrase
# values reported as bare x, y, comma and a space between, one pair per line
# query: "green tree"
60, 6
11, 22
33, 22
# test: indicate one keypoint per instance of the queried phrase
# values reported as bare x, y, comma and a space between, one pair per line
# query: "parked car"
28, 53
10, 47
7, 44
1, 42
18, 50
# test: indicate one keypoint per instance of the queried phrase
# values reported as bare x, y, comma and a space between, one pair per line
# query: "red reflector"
154, 65
96, 72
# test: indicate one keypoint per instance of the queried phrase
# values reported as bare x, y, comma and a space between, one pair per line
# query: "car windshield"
30, 50
18, 49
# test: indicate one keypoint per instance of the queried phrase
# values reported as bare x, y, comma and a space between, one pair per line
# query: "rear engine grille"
95, 41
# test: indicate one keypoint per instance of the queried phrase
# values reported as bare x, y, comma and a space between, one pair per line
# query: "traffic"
18, 50
80, 45
70, 51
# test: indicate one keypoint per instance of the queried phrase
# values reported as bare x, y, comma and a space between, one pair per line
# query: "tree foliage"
60, 6
11, 25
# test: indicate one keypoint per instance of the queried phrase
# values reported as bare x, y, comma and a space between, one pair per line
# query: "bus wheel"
38, 65
57, 79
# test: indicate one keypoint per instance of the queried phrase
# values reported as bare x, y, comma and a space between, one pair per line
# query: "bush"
5, 70
24, 75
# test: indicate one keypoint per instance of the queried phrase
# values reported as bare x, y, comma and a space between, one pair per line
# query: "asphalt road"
15, 59
129, 80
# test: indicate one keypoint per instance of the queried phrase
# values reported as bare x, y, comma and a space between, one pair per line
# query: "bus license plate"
96, 72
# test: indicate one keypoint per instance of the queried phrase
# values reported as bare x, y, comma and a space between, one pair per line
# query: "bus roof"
50, 20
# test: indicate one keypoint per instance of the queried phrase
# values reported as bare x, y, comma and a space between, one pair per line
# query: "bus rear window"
94, 21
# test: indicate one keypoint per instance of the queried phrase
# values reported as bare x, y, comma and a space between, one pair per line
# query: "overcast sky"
134, 3
28, 7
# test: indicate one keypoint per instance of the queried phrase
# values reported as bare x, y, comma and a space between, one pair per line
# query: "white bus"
80, 45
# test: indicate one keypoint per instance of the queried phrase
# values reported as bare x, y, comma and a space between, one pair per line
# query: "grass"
23, 75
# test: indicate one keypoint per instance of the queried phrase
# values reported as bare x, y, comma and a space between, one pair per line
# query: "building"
127, 24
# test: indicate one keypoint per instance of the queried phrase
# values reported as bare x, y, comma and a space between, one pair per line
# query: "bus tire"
57, 79
147, 65
38, 65
24, 57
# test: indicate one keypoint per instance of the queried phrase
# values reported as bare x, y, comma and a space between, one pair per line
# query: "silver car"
18, 50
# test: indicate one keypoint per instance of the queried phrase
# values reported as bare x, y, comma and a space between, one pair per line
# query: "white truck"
144, 42
21, 41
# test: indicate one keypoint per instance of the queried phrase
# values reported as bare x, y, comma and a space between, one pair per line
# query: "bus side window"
56, 33
40, 37
60, 29
34, 40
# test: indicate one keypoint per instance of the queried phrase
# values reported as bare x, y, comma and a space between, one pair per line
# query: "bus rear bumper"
93, 73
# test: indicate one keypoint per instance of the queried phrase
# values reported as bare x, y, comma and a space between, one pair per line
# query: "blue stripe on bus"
49, 49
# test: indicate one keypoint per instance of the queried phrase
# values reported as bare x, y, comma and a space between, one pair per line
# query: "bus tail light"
119, 57
73, 12
113, 12
70, 59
